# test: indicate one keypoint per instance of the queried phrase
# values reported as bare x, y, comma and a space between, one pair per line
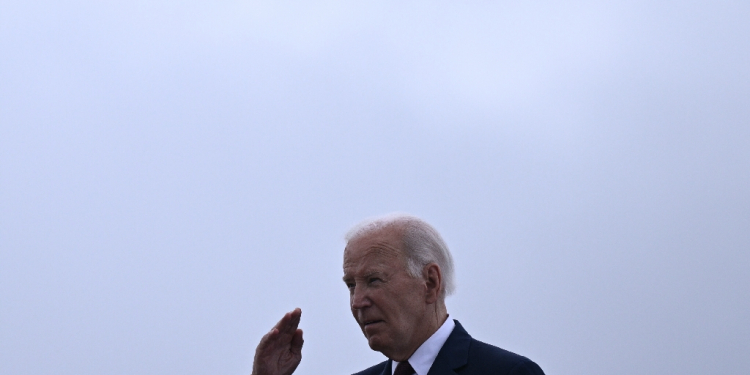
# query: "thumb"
297, 341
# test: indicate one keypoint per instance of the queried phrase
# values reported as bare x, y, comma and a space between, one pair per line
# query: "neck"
435, 316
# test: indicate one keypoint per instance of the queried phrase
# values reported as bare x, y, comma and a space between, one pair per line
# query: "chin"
375, 344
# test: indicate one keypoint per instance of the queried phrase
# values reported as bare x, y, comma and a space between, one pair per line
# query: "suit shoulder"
374, 370
489, 359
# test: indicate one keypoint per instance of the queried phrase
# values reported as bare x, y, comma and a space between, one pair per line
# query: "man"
398, 271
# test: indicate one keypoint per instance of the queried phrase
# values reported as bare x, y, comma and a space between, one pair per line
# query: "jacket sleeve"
526, 367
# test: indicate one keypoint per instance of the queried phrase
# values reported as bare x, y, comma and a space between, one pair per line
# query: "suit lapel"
387, 369
453, 354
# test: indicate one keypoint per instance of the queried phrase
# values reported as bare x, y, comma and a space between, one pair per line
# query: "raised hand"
280, 350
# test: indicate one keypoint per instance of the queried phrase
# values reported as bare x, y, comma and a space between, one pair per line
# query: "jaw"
392, 347
376, 343
377, 335
389, 350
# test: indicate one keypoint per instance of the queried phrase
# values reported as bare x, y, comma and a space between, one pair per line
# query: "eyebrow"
371, 274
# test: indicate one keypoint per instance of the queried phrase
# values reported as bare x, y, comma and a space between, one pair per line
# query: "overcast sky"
174, 176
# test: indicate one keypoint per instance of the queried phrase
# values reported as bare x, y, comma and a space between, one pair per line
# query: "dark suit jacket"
463, 355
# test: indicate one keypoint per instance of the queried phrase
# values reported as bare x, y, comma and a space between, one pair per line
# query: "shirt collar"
424, 357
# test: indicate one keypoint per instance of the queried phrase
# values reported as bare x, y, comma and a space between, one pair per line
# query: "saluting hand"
280, 350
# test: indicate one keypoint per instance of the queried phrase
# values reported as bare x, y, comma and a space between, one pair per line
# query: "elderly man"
398, 271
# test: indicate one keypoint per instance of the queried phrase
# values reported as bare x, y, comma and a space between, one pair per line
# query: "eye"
374, 280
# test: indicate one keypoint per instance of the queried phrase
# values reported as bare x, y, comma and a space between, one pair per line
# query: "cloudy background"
174, 176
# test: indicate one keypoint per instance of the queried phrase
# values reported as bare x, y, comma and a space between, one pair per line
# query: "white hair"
422, 245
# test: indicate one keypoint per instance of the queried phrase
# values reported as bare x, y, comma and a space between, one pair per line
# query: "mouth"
370, 322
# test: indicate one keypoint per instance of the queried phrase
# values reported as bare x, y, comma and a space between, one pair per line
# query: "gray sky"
175, 176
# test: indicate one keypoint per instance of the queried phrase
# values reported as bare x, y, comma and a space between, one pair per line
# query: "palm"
280, 350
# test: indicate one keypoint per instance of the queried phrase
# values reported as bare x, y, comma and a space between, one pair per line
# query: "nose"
359, 298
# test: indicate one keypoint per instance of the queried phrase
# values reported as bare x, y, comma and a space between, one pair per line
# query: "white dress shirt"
424, 357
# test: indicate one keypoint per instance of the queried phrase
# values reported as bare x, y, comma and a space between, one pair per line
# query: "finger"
297, 342
281, 324
295, 316
267, 340
288, 324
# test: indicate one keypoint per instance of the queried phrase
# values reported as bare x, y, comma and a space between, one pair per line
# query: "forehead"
380, 249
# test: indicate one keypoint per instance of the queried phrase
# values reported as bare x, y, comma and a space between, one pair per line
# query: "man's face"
386, 301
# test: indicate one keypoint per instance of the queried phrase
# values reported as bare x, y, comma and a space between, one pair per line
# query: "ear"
433, 279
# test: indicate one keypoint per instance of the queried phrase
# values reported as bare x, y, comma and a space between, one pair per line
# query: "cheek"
410, 307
